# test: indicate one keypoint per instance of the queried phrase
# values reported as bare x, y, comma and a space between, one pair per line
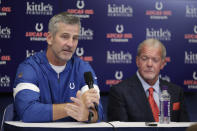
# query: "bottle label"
166, 108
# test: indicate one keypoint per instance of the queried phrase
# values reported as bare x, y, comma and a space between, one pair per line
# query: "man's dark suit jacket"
128, 102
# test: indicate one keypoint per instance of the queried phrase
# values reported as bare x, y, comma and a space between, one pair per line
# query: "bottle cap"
164, 88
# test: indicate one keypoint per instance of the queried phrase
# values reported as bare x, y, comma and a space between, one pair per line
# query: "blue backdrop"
111, 31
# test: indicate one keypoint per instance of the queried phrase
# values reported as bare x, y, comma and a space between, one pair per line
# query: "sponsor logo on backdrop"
122, 10
80, 52
80, 11
159, 13
160, 34
190, 57
166, 78
31, 53
192, 83
4, 10
86, 34
5, 32
41, 8
38, 34
4, 59
119, 57
191, 11
119, 36
4, 81
118, 78
192, 38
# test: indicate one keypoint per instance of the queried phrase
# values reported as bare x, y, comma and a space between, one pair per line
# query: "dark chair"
8, 115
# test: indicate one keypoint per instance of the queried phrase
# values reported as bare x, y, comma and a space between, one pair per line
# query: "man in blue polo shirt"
49, 86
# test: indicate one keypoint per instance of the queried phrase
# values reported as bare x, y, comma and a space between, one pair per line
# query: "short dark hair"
63, 17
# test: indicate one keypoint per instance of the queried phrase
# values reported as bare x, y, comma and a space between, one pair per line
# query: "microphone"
89, 81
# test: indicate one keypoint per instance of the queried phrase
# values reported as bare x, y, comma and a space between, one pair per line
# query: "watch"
90, 116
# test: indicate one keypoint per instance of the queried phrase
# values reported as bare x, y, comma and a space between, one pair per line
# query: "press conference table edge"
116, 124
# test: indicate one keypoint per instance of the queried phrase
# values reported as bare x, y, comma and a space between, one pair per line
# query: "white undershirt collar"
58, 69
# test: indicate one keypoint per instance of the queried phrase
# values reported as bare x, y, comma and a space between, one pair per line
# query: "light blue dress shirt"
146, 86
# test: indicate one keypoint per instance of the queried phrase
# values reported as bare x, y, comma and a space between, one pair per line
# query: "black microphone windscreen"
88, 77
89, 81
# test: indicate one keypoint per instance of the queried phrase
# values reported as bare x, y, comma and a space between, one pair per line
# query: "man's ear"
163, 63
137, 61
49, 38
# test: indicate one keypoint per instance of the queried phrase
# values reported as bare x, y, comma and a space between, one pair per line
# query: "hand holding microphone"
93, 93
84, 102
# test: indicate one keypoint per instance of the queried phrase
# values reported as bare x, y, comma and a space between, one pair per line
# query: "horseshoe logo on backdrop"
158, 5
79, 51
195, 29
194, 76
119, 28
80, 4
118, 75
39, 27
72, 85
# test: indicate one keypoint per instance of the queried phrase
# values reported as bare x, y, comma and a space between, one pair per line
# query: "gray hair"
153, 43
63, 17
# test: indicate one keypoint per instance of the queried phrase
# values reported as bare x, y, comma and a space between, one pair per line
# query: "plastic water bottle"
164, 116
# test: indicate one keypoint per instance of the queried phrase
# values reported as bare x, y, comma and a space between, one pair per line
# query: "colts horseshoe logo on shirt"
72, 85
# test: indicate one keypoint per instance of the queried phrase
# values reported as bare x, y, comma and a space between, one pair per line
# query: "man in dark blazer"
128, 100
